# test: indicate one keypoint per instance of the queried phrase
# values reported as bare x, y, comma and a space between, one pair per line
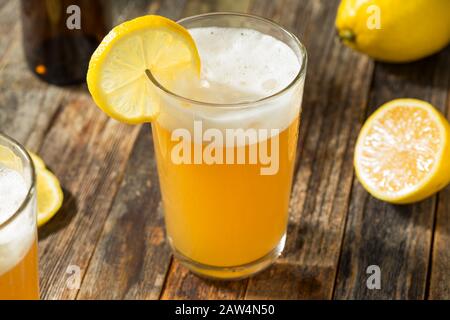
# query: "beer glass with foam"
18, 231
226, 145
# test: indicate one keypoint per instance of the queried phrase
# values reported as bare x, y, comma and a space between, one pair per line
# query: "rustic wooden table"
111, 224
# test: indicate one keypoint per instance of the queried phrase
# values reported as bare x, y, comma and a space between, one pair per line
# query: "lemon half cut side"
117, 77
402, 154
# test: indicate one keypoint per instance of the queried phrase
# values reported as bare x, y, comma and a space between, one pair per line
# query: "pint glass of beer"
226, 145
18, 231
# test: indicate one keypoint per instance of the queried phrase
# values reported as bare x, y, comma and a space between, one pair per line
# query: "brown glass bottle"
59, 37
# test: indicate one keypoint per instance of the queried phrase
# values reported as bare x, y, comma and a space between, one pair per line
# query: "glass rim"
31, 189
245, 104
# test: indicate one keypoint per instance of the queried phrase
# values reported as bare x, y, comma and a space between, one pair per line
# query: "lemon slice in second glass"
403, 152
117, 77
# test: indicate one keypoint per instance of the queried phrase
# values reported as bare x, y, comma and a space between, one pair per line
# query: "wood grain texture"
440, 262
9, 24
132, 257
182, 284
88, 152
440, 268
337, 84
396, 238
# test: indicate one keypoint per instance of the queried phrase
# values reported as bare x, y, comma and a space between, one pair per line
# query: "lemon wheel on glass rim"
117, 77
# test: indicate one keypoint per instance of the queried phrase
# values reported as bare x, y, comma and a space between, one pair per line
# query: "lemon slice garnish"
117, 77
403, 151
49, 193
37, 161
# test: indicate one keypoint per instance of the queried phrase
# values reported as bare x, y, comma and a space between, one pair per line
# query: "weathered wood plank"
9, 26
440, 274
132, 249
396, 238
3, 3
88, 152
337, 85
182, 284
440, 268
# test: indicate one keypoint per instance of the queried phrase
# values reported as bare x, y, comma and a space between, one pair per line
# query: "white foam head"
238, 66
17, 236
13, 191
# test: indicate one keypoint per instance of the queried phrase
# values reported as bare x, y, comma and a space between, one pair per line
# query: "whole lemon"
394, 30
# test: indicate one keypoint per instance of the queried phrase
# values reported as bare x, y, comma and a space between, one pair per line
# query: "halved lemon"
117, 77
402, 154
49, 193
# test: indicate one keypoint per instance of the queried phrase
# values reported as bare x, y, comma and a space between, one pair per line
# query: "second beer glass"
18, 231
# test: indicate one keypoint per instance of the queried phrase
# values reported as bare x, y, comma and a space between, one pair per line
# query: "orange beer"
226, 186
20, 283
225, 214
18, 230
